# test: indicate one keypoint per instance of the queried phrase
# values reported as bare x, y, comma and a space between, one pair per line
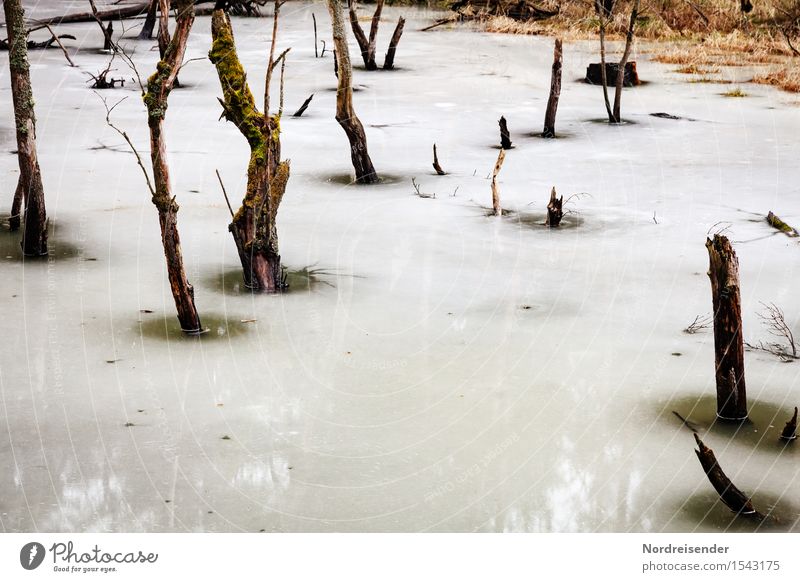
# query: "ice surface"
432, 368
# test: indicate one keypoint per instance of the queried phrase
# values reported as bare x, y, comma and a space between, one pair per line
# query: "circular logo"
31, 555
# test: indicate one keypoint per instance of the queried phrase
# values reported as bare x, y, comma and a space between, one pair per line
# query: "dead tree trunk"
159, 86
728, 342
621, 71
496, 208
367, 46
555, 210
555, 92
388, 62
730, 495
790, 430
16, 206
604, 10
436, 165
29, 187
345, 114
505, 136
253, 227
149, 22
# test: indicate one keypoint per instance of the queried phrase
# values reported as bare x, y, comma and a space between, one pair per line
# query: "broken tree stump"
505, 137
496, 209
723, 272
594, 75
555, 92
303, 107
388, 61
730, 495
554, 209
436, 165
775, 222
790, 430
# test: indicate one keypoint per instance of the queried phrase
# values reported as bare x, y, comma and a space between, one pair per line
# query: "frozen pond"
431, 368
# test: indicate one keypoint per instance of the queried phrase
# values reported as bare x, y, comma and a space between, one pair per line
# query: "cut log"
159, 86
730, 495
790, 430
496, 209
303, 107
388, 62
775, 222
505, 137
555, 92
728, 339
436, 165
594, 74
554, 209
110, 14
345, 113
30, 190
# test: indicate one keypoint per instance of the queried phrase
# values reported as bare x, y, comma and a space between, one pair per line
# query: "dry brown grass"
695, 69
786, 78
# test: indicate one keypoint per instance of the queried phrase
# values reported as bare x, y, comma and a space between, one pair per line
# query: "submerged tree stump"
594, 74
345, 113
30, 190
496, 208
730, 495
554, 209
723, 272
436, 165
388, 61
790, 430
555, 92
505, 136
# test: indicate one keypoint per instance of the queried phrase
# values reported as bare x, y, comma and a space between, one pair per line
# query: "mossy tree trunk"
253, 226
159, 86
728, 340
30, 190
345, 113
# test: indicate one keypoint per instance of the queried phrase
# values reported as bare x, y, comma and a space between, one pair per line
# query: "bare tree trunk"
728, 343
373, 35
345, 114
497, 210
159, 86
555, 92
623, 61
388, 62
253, 227
16, 206
149, 22
603, 15
29, 186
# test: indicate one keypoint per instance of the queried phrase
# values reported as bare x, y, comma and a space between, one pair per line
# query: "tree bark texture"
30, 190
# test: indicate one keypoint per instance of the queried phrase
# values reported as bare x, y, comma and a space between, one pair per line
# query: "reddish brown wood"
554, 209
159, 86
728, 340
